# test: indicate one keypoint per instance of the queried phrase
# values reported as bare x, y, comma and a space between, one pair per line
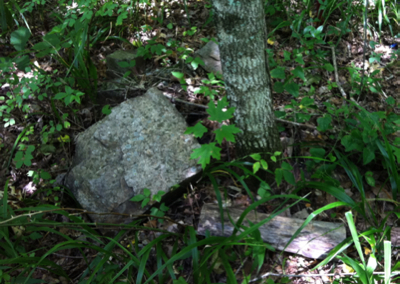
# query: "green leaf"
287, 173
390, 101
328, 67
286, 55
60, 96
369, 178
19, 38
196, 62
22, 62
198, 130
278, 176
287, 166
205, 152
30, 149
317, 152
353, 141
146, 192
256, 167
164, 208
264, 164
121, 17
178, 75
106, 110
35, 236
278, 73
145, 202
306, 101
227, 132
368, 155
138, 198
324, 123
302, 117
45, 175
299, 72
293, 89
396, 152
217, 113
256, 157
279, 87
299, 59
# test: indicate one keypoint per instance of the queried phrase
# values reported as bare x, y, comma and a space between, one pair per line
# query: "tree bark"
242, 34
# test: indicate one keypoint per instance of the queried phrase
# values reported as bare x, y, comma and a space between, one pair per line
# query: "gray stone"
139, 145
210, 55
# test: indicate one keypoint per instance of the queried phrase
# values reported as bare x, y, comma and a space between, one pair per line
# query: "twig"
185, 102
296, 123
336, 74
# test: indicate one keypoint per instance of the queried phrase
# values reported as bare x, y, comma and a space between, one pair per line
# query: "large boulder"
139, 145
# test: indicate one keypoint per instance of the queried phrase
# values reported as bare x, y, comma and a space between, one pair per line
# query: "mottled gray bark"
242, 36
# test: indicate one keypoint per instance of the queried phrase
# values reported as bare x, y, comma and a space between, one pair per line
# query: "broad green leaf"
324, 123
178, 75
138, 198
278, 73
106, 110
328, 67
45, 175
227, 132
317, 152
146, 192
287, 166
256, 157
368, 155
293, 89
369, 178
299, 72
256, 167
60, 96
390, 101
145, 202
19, 38
122, 16
306, 101
279, 87
286, 55
280, 114
205, 152
302, 117
353, 141
217, 113
22, 62
299, 59
264, 164
289, 177
198, 130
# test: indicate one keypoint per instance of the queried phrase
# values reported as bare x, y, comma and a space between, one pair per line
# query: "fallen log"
316, 240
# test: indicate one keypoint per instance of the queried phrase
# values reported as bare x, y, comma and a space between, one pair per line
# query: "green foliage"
24, 157
146, 198
365, 137
205, 152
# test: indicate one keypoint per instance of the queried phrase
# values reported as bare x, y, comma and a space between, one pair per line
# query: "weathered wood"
314, 241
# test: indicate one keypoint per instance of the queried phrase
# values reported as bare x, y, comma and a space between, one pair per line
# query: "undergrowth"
359, 142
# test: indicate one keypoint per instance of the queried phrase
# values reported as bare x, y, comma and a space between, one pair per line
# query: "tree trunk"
242, 34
